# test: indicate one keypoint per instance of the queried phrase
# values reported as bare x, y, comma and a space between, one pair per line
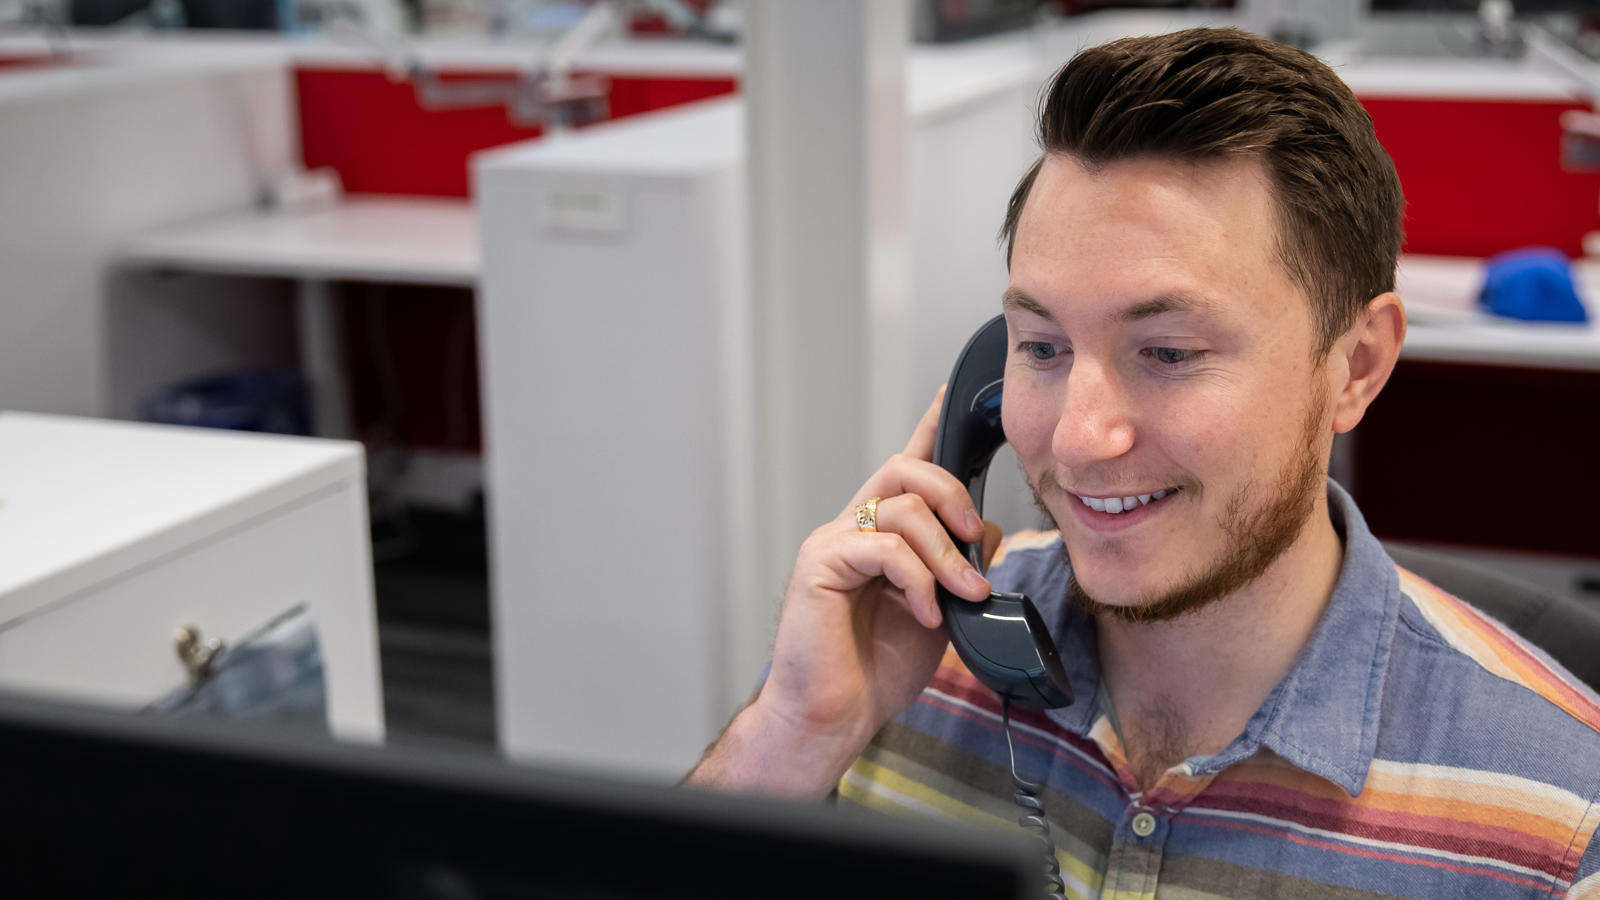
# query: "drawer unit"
113, 535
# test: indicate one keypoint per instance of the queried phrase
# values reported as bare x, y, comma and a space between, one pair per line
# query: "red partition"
1482, 176
380, 139
30, 61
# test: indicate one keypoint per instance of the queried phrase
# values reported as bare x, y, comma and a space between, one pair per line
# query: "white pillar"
830, 258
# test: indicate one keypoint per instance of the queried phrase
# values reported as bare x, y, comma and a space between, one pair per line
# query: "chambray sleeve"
1586, 883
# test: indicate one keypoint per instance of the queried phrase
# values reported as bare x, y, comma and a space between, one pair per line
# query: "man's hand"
859, 635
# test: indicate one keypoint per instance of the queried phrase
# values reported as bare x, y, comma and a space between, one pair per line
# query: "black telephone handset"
1003, 640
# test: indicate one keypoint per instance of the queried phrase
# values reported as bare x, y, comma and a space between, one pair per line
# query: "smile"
1129, 503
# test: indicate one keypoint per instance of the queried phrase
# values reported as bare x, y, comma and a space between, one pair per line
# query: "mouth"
1115, 512
1127, 503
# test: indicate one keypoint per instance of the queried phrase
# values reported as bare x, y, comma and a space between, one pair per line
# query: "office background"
620, 300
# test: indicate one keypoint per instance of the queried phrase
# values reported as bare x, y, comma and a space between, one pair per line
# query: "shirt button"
1144, 824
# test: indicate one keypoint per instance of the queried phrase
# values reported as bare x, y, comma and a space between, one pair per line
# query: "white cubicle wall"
610, 320
614, 322
95, 150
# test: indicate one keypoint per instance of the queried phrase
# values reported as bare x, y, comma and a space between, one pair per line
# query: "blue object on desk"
266, 399
1533, 284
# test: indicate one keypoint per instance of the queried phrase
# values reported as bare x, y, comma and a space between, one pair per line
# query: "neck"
1219, 664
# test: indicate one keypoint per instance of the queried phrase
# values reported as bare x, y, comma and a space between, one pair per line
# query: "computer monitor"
97, 803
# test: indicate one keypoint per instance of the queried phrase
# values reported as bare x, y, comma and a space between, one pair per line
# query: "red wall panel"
381, 140
30, 60
1482, 176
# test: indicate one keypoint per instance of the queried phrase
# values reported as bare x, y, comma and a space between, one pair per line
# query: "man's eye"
1041, 351
1173, 356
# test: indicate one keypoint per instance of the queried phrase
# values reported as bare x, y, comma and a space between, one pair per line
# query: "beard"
1256, 532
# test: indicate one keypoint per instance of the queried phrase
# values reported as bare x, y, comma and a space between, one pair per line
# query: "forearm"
759, 753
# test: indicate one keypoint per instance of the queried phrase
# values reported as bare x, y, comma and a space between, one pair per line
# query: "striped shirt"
1417, 748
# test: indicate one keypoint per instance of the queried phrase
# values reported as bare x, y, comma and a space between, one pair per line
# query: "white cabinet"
115, 534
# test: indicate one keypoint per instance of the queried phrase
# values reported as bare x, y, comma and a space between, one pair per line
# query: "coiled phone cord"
1032, 819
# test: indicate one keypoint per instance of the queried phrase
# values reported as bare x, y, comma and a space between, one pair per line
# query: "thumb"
991, 541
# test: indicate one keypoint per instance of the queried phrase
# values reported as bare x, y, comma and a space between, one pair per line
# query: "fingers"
921, 444
909, 516
889, 556
943, 492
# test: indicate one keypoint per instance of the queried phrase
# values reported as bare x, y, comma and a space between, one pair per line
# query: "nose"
1095, 423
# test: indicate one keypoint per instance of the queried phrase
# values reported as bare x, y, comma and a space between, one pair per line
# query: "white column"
827, 153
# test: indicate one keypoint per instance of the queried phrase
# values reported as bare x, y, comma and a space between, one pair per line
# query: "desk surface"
409, 240
435, 241
1445, 324
83, 500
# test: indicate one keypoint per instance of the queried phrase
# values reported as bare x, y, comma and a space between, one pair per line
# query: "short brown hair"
1209, 93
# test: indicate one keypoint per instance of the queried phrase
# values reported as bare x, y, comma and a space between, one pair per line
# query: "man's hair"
1206, 94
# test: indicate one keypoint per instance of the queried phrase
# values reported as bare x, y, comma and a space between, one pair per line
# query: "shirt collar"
1323, 715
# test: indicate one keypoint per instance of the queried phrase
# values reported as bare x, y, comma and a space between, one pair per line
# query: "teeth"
1117, 505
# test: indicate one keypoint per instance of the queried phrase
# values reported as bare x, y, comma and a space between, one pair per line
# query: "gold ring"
867, 515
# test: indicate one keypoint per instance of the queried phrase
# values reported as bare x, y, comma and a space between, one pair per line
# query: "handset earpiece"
1003, 640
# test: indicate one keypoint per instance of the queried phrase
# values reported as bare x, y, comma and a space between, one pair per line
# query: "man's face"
1159, 351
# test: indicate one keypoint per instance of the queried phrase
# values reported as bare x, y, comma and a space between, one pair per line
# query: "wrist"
767, 752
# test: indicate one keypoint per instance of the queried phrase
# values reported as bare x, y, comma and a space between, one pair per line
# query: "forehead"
1141, 229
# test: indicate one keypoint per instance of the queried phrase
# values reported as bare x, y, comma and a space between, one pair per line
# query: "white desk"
1446, 324
117, 533
408, 240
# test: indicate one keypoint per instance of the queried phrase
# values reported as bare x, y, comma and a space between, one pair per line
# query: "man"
1201, 274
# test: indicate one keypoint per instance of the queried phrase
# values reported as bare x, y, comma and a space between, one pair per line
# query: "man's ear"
1365, 356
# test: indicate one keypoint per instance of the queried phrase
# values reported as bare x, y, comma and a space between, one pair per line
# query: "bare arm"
859, 636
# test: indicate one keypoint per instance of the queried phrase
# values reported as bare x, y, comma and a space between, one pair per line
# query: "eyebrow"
1016, 298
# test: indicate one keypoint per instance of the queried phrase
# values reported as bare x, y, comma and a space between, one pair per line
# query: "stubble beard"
1257, 533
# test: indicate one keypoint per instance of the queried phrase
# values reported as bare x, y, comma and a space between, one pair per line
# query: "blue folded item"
274, 677
1533, 284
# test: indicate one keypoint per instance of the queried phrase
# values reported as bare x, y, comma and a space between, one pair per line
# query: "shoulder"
1475, 715
1446, 635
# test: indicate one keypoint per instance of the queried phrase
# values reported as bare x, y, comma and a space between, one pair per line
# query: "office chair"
1560, 626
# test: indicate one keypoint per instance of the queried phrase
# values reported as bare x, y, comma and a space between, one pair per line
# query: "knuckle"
899, 552
894, 543
919, 504
953, 555
816, 543
953, 491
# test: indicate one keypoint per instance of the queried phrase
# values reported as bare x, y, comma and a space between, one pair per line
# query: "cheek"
1029, 421
1235, 436
1208, 433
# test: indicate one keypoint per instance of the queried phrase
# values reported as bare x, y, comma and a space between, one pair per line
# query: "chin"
1113, 591
1124, 575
